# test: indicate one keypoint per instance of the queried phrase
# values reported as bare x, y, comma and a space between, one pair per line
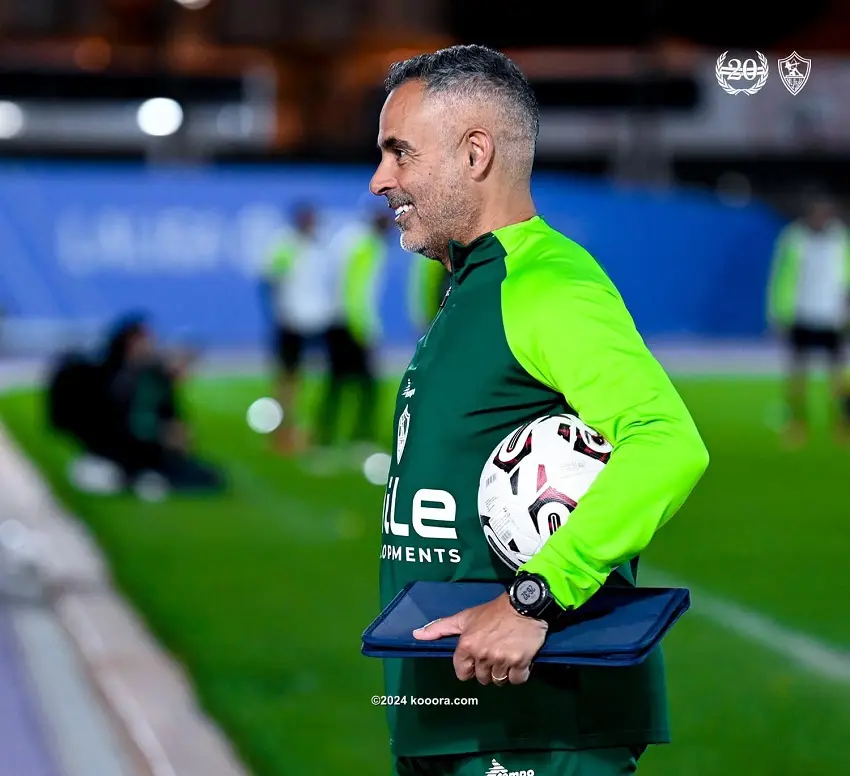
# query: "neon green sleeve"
577, 337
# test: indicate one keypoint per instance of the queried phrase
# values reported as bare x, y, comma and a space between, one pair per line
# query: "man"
808, 295
300, 302
530, 326
352, 339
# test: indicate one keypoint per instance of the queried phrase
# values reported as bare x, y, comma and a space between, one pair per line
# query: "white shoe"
150, 486
91, 474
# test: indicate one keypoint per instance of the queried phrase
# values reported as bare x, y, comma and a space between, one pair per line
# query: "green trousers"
587, 762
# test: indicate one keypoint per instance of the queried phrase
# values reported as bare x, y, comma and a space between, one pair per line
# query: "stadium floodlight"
11, 120
194, 5
160, 117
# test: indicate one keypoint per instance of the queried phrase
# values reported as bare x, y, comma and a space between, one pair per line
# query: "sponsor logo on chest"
432, 524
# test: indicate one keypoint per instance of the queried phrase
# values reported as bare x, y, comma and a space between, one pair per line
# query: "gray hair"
479, 73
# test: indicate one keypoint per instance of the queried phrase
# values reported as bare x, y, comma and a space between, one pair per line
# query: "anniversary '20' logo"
750, 71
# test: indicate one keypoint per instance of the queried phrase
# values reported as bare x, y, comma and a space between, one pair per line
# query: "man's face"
305, 221
140, 347
421, 172
820, 214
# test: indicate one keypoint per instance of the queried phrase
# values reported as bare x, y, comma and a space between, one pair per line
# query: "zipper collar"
464, 258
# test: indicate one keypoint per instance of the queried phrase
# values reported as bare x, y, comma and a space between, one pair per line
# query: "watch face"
528, 592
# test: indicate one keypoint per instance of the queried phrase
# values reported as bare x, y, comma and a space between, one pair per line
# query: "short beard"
430, 250
456, 214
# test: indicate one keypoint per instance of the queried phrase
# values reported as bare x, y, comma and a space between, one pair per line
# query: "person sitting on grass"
123, 410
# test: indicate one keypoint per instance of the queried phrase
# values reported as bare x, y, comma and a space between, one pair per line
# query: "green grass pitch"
218, 579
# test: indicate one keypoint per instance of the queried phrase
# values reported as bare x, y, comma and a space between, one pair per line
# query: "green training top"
531, 326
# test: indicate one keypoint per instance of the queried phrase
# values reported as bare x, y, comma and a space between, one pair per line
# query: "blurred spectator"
808, 297
300, 306
352, 338
123, 410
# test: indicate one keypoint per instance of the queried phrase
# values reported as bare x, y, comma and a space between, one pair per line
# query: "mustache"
397, 200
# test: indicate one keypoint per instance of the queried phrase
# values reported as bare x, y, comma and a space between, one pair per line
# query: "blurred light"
11, 120
235, 120
93, 54
376, 468
265, 415
193, 5
160, 117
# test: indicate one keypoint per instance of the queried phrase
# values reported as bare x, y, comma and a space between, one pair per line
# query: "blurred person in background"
124, 411
300, 306
429, 282
808, 294
352, 340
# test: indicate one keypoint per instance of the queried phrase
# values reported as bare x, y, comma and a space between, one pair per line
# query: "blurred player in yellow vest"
352, 340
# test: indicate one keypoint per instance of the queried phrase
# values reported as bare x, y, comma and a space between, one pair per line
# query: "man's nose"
382, 181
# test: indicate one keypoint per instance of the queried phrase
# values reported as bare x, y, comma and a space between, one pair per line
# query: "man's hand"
496, 644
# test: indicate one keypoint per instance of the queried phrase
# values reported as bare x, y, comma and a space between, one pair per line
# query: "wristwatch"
529, 594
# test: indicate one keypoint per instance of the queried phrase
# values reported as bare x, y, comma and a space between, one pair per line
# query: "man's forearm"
651, 472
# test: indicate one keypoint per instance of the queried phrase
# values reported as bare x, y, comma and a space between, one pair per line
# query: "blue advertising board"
89, 243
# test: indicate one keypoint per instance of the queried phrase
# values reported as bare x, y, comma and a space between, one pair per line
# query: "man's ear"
479, 152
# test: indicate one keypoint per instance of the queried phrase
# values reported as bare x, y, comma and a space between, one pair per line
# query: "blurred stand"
192, 88
261, 80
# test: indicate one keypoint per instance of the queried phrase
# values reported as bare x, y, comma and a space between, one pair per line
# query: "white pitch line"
814, 655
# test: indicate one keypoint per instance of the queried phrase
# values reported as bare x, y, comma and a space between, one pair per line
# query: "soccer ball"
533, 480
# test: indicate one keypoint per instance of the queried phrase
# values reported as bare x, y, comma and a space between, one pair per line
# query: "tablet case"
618, 626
